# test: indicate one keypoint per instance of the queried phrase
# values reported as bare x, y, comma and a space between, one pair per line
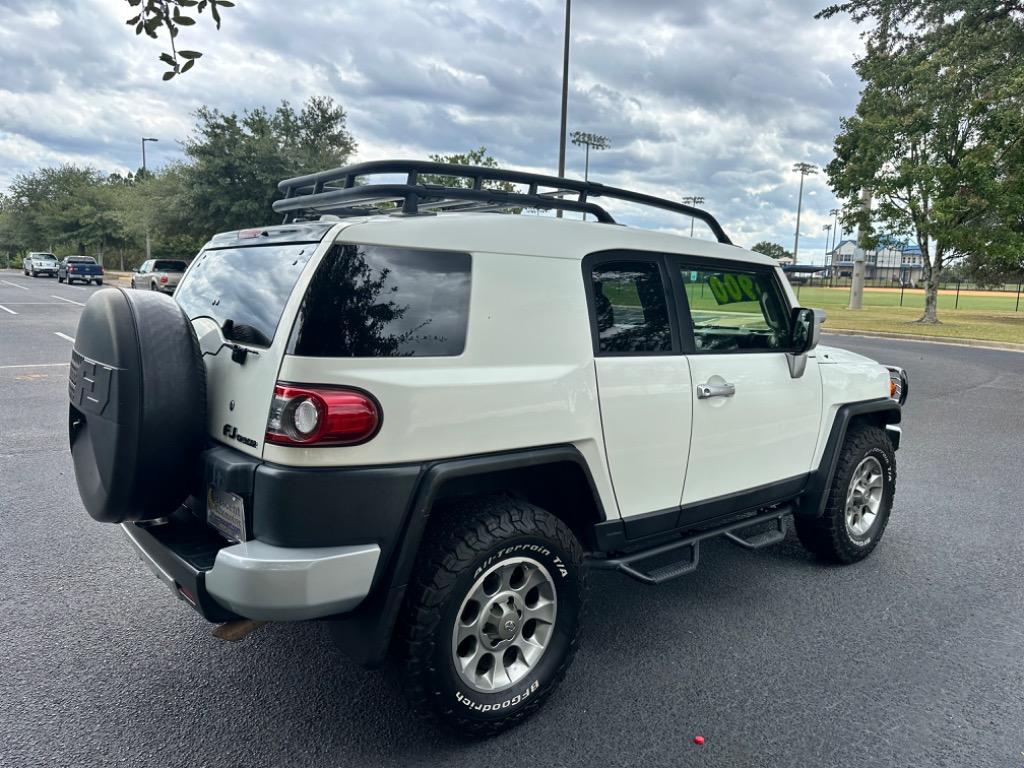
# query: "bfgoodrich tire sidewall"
469, 703
885, 458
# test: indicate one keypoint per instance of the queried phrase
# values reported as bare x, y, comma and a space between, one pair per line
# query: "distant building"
893, 262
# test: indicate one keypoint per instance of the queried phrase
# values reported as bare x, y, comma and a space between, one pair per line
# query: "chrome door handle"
704, 391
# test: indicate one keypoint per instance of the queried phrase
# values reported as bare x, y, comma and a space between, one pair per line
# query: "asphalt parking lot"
913, 657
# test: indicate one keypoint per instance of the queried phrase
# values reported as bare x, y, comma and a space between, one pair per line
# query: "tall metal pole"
565, 94
144, 140
804, 169
586, 164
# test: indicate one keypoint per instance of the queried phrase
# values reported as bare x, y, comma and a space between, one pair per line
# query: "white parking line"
34, 365
64, 336
69, 301
5, 309
14, 285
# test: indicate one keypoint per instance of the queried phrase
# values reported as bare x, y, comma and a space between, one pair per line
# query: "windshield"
247, 286
170, 266
43, 257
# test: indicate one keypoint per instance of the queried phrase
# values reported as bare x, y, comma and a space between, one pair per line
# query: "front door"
755, 426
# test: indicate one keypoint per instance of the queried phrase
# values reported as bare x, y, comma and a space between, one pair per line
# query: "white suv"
423, 421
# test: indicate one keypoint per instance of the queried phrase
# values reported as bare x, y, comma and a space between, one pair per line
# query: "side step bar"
683, 555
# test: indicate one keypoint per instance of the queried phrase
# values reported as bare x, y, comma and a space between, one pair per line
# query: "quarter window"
735, 310
375, 301
630, 308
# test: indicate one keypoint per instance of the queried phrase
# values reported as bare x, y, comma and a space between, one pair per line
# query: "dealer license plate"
226, 512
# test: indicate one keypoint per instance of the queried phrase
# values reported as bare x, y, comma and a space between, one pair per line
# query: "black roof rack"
345, 192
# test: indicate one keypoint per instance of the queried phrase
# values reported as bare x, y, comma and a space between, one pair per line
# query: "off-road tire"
828, 536
460, 546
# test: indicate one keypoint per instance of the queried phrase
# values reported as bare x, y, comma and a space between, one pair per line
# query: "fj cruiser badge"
232, 434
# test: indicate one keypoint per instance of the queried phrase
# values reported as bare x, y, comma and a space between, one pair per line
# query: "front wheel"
859, 500
491, 615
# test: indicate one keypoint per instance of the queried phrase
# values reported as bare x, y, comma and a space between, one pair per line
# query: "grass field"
817, 296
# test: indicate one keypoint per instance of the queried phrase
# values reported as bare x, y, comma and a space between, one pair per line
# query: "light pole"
590, 141
144, 140
804, 169
565, 97
828, 231
693, 200
835, 236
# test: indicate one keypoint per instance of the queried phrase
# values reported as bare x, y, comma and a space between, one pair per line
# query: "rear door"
239, 295
643, 383
755, 426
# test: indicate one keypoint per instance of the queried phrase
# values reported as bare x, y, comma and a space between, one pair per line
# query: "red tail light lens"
163, 278
321, 416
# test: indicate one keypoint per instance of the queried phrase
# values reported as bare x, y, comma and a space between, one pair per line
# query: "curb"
1002, 346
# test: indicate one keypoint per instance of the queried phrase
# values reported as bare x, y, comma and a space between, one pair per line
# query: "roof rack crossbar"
337, 192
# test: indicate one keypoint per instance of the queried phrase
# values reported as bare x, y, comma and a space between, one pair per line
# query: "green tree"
935, 137
237, 161
172, 15
773, 250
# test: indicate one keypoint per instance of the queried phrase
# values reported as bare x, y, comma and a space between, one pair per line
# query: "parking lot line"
5, 309
33, 365
14, 285
69, 301
64, 336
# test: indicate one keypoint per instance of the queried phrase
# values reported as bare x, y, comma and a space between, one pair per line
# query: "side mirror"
805, 330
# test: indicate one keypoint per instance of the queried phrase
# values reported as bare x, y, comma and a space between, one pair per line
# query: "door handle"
704, 391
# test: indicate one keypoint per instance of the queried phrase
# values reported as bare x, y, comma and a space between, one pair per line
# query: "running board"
683, 555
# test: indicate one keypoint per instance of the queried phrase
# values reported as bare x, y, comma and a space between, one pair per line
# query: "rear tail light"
321, 416
163, 278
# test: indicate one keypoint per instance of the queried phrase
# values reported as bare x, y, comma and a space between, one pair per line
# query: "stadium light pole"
590, 141
804, 169
828, 231
144, 140
834, 213
693, 200
565, 97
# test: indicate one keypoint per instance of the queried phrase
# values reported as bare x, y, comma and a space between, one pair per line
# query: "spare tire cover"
137, 420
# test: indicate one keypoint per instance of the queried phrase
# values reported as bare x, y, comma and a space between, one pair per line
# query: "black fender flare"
882, 410
365, 634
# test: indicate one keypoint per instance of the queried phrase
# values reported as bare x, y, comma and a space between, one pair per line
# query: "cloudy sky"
716, 99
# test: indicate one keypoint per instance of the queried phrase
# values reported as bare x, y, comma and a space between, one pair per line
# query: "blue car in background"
83, 268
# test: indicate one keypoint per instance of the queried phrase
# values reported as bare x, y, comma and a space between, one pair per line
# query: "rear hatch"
238, 292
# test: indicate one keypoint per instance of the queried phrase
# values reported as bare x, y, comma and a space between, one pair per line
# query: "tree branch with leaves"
172, 15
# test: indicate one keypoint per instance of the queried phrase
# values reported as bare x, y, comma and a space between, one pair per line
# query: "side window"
630, 308
377, 301
733, 309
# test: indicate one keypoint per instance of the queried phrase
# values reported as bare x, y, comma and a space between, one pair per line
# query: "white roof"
530, 236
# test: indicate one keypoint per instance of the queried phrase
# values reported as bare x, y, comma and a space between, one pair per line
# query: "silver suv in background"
159, 274
40, 263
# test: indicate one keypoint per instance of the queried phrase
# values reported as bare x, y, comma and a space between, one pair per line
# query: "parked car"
425, 428
40, 263
159, 274
81, 268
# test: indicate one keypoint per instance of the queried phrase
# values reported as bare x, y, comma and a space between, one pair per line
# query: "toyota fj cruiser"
422, 422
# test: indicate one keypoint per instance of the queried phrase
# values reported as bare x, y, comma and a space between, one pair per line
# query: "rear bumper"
253, 580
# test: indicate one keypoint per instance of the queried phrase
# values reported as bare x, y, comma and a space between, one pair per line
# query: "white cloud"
714, 99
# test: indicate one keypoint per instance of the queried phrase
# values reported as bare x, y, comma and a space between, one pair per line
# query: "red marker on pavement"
698, 740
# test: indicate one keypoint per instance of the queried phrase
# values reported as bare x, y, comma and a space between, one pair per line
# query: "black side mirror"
804, 332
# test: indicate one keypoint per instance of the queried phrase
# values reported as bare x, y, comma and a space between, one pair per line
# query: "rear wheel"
491, 615
859, 501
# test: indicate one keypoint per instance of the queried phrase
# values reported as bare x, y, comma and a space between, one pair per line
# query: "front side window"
630, 308
735, 310
376, 301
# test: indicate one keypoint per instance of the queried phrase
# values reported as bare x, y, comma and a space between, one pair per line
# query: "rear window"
81, 260
170, 266
374, 301
248, 286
